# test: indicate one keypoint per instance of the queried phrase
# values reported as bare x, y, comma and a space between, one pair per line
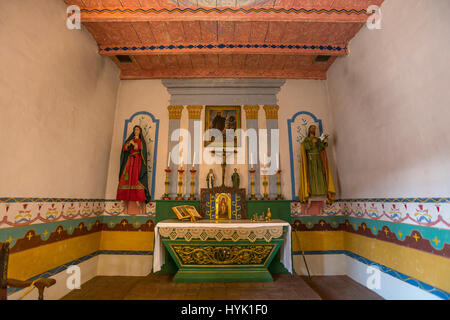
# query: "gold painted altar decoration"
227, 250
223, 203
223, 255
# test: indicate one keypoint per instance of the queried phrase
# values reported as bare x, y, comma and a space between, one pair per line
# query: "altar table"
222, 251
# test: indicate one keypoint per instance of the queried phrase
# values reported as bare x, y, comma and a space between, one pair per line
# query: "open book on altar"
186, 212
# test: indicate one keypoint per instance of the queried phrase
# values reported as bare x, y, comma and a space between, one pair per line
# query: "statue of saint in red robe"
133, 177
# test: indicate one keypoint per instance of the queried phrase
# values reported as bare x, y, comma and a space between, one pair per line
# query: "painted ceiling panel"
208, 31
198, 61
176, 31
159, 30
278, 62
144, 62
144, 32
265, 61
252, 61
228, 38
225, 31
258, 31
211, 60
225, 60
184, 61
131, 3
192, 33
239, 61
242, 31
170, 61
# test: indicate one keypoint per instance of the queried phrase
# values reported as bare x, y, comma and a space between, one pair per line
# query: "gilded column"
272, 124
174, 124
251, 113
194, 148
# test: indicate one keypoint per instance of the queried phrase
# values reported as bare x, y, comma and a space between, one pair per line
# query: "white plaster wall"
152, 96
124, 265
320, 264
57, 101
390, 99
388, 287
88, 270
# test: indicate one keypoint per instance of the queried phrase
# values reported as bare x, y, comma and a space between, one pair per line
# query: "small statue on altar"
268, 217
235, 179
210, 179
315, 174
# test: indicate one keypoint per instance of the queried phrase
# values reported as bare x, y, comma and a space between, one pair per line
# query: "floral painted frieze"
423, 213
23, 212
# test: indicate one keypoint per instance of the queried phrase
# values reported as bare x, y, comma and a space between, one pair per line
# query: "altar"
222, 251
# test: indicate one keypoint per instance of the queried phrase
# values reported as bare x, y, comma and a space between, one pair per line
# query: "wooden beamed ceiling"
223, 38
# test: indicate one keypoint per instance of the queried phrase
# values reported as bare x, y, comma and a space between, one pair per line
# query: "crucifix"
224, 157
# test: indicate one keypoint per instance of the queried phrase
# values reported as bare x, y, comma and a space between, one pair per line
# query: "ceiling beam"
176, 73
282, 49
205, 14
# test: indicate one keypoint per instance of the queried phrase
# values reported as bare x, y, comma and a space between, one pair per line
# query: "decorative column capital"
251, 112
194, 112
271, 112
175, 112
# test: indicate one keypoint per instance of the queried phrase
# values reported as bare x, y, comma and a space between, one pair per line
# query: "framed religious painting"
223, 203
218, 119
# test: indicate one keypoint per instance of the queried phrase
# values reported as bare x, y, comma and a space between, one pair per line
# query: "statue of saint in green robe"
235, 179
316, 172
315, 175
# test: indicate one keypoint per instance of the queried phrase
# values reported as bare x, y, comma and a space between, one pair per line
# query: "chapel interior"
224, 149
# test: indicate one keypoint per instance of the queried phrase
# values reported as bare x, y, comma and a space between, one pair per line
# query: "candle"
278, 162
193, 161
168, 160
251, 160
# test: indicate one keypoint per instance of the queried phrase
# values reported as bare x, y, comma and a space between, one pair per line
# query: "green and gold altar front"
224, 251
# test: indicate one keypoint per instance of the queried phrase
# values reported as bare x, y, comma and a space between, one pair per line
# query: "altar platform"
222, 251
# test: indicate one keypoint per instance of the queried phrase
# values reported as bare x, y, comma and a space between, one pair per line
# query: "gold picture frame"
223, 206
222, 118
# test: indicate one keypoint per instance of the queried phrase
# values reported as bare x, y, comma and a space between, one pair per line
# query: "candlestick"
192, 195
279, 196
265, 184
167, 183
252, 184
180, 184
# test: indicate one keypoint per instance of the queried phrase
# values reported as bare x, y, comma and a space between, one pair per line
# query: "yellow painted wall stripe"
26, 264
120, 240
317, 240
426, 267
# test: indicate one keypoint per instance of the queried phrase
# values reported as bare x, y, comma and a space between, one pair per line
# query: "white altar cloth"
159, 251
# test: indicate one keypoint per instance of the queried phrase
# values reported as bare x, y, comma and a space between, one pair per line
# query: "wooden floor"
161, 287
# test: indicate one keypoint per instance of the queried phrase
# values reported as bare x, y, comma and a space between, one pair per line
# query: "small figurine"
210, 179
268, 215
235, 179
